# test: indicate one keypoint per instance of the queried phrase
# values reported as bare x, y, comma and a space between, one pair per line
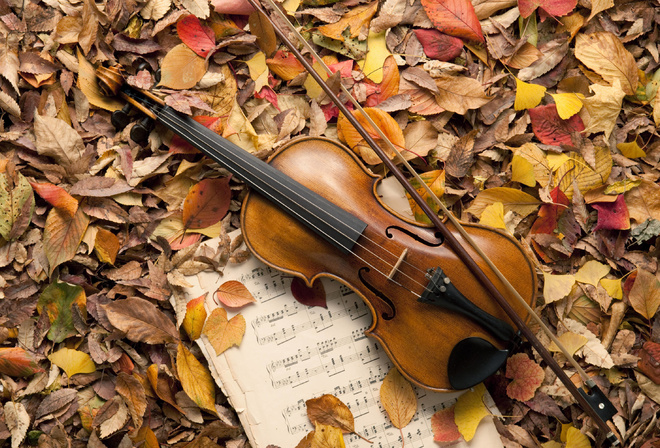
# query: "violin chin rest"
473, 360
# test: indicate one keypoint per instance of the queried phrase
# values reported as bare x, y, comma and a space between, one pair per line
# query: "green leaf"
58, 300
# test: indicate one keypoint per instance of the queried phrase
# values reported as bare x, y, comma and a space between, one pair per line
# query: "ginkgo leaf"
195, 379
15, 361
568, 104
398, 398
613, 287
511, 199
538, 160
571, 341
72, 361
575, 439
528, 95
522, 171
234, 294
493, 216
527, 376
444, 427
455, 18
181, 68
631, 149
193, 322
330, 410
591, 272
556, 287
206, 203
222, 332
470, 410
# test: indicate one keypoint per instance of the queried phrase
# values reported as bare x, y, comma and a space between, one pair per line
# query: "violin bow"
593, 402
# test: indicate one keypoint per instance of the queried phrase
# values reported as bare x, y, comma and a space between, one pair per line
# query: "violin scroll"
110, 79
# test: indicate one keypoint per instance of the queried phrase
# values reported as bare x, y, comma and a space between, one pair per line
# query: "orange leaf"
347, 133
527, 377
181, 68
223, 333
444, 427
132, 391
389, 86
285, 65
455, 18
145, 438
193, 322
645, 294
15, 361
398, 398
106, 246
62, 235
195, 379
356, 19
207, 203
163, 386
234, 294
56, 196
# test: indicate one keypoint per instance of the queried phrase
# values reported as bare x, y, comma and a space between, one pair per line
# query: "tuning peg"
140, 132
157, 76
144, 65
119, 118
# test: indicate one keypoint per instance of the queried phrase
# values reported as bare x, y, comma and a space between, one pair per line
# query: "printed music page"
291, 353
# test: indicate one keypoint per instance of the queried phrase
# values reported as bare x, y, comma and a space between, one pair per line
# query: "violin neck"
328, 220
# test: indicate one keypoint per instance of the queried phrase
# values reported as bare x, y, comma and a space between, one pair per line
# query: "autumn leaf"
575, 170
591, 272
222, 332
556, 287
438, 45
285, 65
15, 361
550, 129
374, 62
553, 8
527, 376
88, 84
258, 70
180, 146
331, 411
398, 398
195, 379
233, 294
17, 420
356, 19
62, 235
643, 202
470, 410
604, 107
522, 171
528, 95
133, 393
511, 199
326, 436
198, 37
459, 93
106, 246
141, 321
16, 205
72, 362
645, 294
568, 104
309, 296
193, 322
162, 385
444, 427
571, 341
206, 203
347, 133
612, 215
455, 18
181, 68
493, 216
435, 180
575, 439
604, 53
631, 149
56, 196
58, 300
145, 438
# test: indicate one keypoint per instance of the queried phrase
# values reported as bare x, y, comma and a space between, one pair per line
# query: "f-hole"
416, 237
388, 303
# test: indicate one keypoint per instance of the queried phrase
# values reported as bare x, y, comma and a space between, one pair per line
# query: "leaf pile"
535, 117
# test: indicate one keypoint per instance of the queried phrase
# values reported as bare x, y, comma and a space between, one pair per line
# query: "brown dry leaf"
234, 294
58, 140
141, 321
347, 133
398, 398
133, 392
223, 333
357, 18
17, 420
643, 201
604, 107
460, 93
106, 245
196, 380
182, 68
330, 410
9, 58
62, 235
162, 385
263, 29
605, 54
645, 294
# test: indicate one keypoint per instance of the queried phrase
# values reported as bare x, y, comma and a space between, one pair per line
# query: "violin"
444, 299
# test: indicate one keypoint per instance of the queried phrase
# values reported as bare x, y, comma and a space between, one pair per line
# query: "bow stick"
593, 402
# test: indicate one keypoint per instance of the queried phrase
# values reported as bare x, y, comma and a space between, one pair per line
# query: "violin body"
417, 336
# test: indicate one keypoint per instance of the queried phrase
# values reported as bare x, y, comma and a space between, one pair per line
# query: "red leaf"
438, 45
554, 8
612, 215
14, 361
207, 203
527, 377
314, 296
198, 37
444, 427
389, 86
550, 213
56, 196
455, 18
552, 130
269, 95
179, 146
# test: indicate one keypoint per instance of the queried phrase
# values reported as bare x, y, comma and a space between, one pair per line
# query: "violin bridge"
398, 263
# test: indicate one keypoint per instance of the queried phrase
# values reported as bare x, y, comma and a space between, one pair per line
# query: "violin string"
169, 115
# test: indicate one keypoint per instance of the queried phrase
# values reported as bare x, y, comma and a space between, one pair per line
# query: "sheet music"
291, 353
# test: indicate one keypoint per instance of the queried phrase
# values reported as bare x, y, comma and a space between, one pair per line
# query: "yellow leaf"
528, 95
571, 342
604, 107
522, 171
347, 133
436, 182
557, 160
551, 444
537, 158
372, 65
239, 130
398, 398
470, 410
493, 216
604, 53
577, 169
620, 187
568, 104
613, 287
193, 322
631, 150
181, 68
592, 272
258, 70
575, 439
195, 379
356, 19
556, 287
512, 200
223, 333
72, 361
313, 88
326, 436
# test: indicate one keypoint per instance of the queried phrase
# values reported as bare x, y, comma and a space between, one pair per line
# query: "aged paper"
291, 353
